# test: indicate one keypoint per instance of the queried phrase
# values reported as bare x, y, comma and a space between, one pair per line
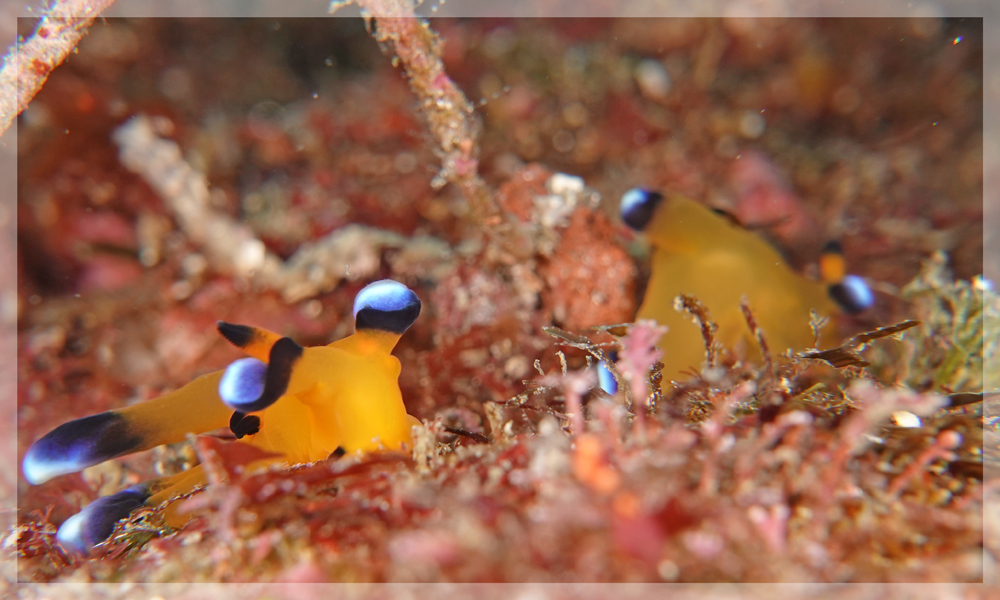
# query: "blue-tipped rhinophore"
242, 383
96, 521
386, 305
638, 207
248, 385
79, 444
852, 294
605, 379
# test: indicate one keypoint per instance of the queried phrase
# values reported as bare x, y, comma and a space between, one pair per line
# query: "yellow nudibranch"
307, 404
701, 253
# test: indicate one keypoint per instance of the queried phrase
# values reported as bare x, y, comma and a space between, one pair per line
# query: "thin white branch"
353, 252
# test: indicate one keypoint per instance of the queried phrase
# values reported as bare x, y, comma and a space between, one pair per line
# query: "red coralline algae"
517, 195
590, 278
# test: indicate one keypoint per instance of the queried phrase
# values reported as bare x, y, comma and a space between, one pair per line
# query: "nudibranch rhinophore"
701, 253
851, 293
302, 404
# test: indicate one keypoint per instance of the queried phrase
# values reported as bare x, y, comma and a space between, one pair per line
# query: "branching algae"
300, 404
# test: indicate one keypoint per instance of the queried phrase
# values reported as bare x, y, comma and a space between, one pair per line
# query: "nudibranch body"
703, 254
302, 404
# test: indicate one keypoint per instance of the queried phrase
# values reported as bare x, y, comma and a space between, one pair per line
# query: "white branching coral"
351, 253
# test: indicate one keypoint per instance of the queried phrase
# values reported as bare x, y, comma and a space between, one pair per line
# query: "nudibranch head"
638, 206
852, 294
242, 383
386, 305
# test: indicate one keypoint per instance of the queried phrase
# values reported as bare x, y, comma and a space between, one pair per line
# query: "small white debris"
250, 256
652, 78
193, 265
873, 439
563, 184
752, 125
904, 418
565, 193
668, 570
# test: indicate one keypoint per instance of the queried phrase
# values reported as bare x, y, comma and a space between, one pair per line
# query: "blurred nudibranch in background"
699, 252
308, 403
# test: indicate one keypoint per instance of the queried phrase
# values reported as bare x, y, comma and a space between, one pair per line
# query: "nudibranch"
701, 253
302, 404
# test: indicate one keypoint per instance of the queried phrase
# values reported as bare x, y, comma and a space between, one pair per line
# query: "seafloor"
307, 136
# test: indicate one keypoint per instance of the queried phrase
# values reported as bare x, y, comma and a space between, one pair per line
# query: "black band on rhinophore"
281, 362
393, 321
237, 335
638, 207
